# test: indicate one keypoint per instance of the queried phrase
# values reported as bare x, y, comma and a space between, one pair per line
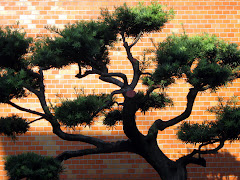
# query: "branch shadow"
221, 166
117, 166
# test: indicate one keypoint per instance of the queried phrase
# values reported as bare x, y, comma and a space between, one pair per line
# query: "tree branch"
119, 146
75, 137
41, 93
121, 75
50, 118
85, 74
200, 161
129, 121
112, 81
134, 62
161, 125
25, 109
136, 40
36, 120
192, 160
211, 151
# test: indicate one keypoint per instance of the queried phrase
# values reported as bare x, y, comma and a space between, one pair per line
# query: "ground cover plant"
204, 61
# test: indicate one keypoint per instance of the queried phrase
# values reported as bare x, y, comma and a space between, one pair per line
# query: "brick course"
220, 17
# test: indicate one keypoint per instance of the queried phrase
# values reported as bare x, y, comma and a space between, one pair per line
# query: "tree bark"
148, 147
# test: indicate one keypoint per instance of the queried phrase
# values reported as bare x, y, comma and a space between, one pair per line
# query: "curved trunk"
148, 148
168, 171
166, 168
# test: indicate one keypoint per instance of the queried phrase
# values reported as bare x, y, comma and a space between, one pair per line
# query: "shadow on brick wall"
112, 166
221, 166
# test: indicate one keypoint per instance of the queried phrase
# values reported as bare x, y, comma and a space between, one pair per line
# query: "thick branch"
161, 125
193, 160
41, 93
107, 77
50, 118
112, 81
190, 101
134, 62
120, 146
121, 75
129, 120
75, 137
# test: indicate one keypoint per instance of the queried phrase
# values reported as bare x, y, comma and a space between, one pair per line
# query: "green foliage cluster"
140, 18
196, 133
13, 46
13, 125
85, 43
228, 119
112, 117
32, 167
80, 111
206, 61
226, 127
14, 67
11, 84
154, 100
144, 103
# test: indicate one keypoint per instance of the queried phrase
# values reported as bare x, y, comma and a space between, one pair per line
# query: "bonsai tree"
203, 61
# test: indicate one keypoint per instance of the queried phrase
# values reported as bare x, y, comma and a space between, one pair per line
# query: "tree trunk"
166, 168
148, 148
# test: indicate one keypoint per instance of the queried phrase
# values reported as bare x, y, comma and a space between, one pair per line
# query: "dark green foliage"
140, 18
11, 84
206, 61
228, 120
226, 127
84, 43
80, 111
196, 133
13, 126
209, 75
154, 100
112, 117
33, 167
13, 46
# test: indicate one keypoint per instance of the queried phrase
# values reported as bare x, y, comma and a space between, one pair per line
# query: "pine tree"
204, 61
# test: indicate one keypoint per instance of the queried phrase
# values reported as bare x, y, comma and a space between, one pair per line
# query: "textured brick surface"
220, 17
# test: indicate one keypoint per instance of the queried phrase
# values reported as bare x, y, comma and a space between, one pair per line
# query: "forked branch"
161, 125
200, 161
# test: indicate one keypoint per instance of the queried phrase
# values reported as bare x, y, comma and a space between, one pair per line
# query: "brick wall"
220, 17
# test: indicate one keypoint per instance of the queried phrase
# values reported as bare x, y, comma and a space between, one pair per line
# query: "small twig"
24, 109
136, 40
36, 120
